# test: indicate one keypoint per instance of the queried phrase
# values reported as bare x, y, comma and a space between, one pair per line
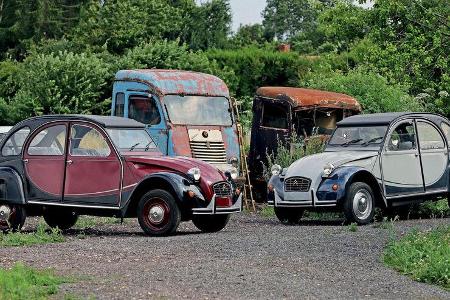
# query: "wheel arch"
365, 176
162, 181
11, 186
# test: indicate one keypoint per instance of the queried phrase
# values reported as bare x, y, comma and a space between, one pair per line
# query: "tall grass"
424, 256
43, 235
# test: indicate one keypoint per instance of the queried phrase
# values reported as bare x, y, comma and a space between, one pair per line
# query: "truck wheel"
210, 223
359, 205
289, 215
158, 213
12, 217
60, 218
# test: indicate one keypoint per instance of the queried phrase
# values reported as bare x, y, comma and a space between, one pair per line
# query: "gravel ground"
253, 258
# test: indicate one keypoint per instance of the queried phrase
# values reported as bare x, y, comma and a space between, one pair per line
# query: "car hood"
209, 173
312, 166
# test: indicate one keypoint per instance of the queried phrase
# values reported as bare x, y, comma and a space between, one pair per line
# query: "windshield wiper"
372, 140
134, 146
351, 142
148, 146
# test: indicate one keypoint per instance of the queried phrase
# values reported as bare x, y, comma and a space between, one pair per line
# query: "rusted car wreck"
279, 113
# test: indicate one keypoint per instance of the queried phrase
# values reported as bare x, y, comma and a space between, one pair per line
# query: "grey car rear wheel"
359, 206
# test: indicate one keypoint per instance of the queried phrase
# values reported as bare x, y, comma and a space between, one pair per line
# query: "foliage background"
60, 56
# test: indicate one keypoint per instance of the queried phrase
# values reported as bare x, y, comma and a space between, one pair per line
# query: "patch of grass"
267, 211
322, 216
43, 235
353, 227
437, 209
386, 223
424, 256
21, 282
90, 221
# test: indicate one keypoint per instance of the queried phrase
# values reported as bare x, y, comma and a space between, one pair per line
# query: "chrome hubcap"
362, 204
156, 214
5, 212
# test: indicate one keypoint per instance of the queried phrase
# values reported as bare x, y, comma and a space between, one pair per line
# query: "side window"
403, 137
429, 137
144, 110
14, 144
274, 116
50, 141
446, 129
119, 105
87, 141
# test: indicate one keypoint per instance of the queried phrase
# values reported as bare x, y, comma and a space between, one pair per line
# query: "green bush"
372, 91
59, 83
425, 256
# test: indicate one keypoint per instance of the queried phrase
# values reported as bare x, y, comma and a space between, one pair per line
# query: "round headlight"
328, 169
276, 169
233, 173
195, 173
234, 162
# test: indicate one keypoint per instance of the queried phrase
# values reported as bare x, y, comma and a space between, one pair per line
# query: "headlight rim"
328, 169
195, 173
276, 170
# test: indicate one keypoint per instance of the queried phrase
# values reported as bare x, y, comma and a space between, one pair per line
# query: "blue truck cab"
186, 113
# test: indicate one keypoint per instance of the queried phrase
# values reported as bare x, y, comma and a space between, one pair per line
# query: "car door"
44, 162
94, 169
402, 174
145, 108
434, 156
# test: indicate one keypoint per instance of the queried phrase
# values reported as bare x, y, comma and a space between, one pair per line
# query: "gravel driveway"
253, 258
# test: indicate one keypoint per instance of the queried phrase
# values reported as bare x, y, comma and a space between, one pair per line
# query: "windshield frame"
360, 145
165, 101
153, 145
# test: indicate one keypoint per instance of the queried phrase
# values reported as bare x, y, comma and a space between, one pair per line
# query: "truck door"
146, 109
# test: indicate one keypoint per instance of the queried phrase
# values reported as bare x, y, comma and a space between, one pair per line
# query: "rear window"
14, 144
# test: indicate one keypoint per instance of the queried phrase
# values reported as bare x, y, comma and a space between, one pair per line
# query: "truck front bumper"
213, 209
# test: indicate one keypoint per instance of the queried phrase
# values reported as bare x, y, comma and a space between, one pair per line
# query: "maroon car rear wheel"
158, 213
12, 217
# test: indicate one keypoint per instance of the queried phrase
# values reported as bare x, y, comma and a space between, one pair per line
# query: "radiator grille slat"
222, 189
211, 152
297, 184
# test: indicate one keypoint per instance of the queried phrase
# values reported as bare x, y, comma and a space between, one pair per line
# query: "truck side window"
120, 105
274, 116
144, 110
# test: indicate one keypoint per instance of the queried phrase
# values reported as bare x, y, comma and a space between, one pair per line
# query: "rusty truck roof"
177, 82
306, 98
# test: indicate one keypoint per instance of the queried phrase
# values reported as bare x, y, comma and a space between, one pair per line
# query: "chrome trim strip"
212, 209
418, 194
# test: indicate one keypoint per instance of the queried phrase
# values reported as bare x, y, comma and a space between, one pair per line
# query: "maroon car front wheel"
158, 213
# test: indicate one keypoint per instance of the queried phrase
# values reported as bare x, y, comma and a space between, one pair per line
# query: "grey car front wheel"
359, 206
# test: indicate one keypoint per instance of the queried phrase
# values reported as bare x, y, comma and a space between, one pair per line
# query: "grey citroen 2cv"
383, 160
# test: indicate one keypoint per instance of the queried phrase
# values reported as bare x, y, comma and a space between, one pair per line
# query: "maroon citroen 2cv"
69, 165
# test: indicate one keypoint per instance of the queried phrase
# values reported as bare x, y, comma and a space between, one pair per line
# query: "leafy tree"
247, 35
209, 25
284, 19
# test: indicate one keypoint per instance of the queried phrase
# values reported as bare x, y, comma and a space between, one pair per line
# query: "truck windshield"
127, 139
198, 110
358, 136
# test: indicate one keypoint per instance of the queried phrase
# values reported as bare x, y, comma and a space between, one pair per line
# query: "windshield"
198, 110
358, 136
127, 139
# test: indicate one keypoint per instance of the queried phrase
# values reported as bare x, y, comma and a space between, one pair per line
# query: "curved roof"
176, 81
104, 121
301, 97
387, 118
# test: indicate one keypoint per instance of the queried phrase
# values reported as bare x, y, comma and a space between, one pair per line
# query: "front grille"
211, 152
297, 184
222, 189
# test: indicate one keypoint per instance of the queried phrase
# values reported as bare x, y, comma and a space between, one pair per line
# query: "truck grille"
211, 152
222, 189
297, 184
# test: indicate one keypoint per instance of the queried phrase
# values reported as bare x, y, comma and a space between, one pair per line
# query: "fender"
11, 186
343, 177
179, 184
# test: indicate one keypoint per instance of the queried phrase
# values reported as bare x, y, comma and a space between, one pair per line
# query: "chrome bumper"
212, 209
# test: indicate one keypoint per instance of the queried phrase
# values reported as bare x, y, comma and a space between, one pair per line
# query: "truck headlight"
195, 173
328, 169
276, 169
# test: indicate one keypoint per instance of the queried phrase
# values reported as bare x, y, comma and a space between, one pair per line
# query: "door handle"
69, 162
25, 161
